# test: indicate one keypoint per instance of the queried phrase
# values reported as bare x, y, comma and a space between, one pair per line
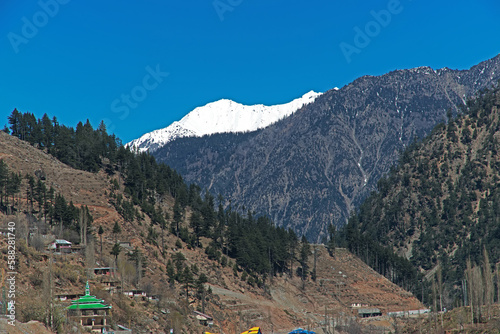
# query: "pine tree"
116, 230
196, 225
47, 129
101, 232
15, 123
178, 260
209, 216
163, 224
4, 177
200, 285
170, 269
292, 247
115, 251
497, 270
187, 280
178, 213
12, 188
305, 251
60, 209
331, 239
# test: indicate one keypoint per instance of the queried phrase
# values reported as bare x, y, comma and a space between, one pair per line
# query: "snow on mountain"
218, 117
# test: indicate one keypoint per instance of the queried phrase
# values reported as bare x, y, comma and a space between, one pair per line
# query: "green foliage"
200, 285
187, 278
82, 148
9, 186
138, 259
212, 251
178, 260
93, 149
187, 237
116, 250
305, 251
116, 228
441, 201
196, 225
170, 271
256, 244
152, 235
332, 229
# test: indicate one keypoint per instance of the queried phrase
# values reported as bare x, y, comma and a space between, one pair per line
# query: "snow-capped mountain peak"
219, 117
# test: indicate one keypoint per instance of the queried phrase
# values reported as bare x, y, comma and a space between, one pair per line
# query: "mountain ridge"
316, 166
219, 117
439, 207
233, 297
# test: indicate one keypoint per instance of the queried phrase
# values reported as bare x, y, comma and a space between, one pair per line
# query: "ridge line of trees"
259, 248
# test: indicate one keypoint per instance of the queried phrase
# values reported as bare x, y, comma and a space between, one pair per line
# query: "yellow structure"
253, 330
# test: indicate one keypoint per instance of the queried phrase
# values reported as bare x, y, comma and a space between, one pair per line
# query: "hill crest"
234, 303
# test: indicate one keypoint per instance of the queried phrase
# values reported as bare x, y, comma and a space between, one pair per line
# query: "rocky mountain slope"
317, 165
234, 303
220, 117
440, 207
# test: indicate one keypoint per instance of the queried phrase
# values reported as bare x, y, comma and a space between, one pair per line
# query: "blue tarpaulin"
301, 331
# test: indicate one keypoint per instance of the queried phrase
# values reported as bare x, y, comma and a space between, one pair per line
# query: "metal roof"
88, 301
369, 310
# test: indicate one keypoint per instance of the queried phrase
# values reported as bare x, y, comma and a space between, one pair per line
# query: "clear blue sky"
81, 59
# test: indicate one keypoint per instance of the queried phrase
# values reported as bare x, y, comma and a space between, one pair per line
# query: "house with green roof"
90, 312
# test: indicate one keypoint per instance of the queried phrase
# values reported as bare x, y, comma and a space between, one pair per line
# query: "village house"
204, 319
369, 312
60, 246
90, 312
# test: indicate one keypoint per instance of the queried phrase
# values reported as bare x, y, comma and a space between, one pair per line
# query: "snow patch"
220, 117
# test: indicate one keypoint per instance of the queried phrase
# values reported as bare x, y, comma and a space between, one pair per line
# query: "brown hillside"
235, 305
81, 187
32, 327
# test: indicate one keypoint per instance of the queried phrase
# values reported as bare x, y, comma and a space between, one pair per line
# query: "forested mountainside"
146, 183
172, 241
314, 167
440, 207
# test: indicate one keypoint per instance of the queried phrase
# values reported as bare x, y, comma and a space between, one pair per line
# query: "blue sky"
141, 65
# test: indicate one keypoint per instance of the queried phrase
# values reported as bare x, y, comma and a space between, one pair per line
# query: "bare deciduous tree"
90, 259
497, 270
469, 280
489, 289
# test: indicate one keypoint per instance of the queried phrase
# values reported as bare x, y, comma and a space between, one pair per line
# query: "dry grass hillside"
283, 304
31, 327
